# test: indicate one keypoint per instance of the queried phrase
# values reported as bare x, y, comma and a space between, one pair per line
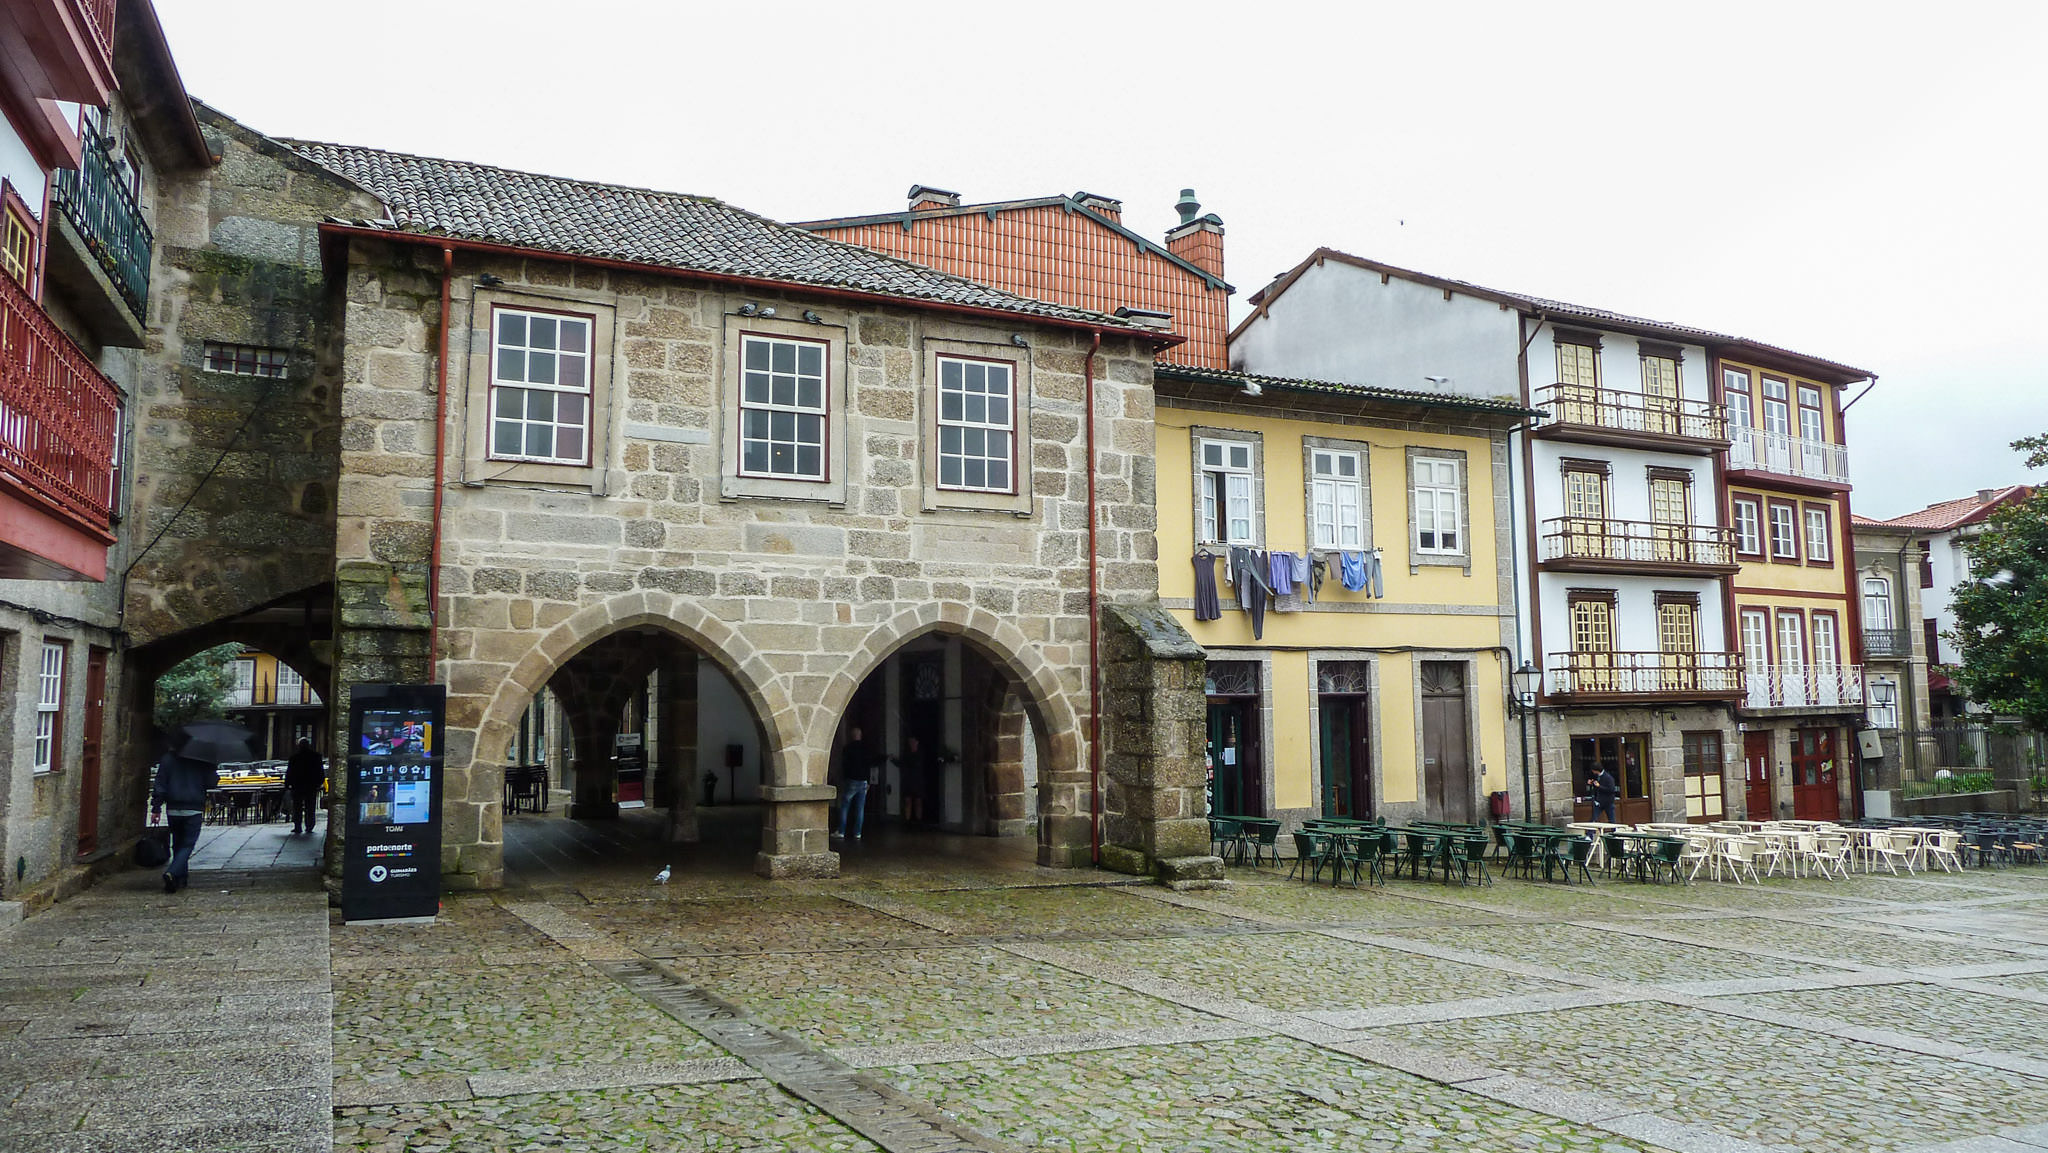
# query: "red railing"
99, 21
59, 415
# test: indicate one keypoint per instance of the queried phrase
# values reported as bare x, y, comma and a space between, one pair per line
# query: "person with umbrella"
304, 776
183, 778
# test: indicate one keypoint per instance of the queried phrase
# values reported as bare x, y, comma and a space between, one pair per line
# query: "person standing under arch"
854, 766
304, 777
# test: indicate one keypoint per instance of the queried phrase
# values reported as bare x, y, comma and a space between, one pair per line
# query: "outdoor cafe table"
1434, 842
1599, 845
1643, 837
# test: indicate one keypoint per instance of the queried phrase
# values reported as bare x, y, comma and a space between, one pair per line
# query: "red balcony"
60, 418
57, 50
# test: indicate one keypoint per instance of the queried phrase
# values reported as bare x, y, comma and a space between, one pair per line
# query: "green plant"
196, 687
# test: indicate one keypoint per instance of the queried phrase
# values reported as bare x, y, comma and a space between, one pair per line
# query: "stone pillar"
676, 743
595, 796
1010, 728
795, 837
380, 637
1154, 713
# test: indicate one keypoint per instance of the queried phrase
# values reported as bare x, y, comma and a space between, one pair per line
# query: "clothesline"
1287, 579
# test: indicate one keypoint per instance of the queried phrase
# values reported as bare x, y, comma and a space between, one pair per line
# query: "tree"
196, 687
2002, 614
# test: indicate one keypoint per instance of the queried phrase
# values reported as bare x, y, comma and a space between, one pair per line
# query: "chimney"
1984, 495
1197, 239
1102, 205
923, 199
1147, 317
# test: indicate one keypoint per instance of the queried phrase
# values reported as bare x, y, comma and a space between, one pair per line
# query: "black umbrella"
214, 742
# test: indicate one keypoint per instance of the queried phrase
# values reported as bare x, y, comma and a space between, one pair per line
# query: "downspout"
1094, 620
440, 469
1910, 723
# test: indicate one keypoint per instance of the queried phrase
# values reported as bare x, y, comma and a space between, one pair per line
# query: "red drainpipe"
440, 467
1094, 625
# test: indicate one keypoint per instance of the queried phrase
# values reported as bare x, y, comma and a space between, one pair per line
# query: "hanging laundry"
1207, 607
1280, 573
1259, 594
1376, 575
1351, 570
1317, 571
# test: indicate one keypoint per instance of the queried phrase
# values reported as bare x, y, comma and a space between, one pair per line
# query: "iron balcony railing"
96, 201
1578, 404
1789, 455
1802, 686
1887, 644
59, 416
1568, 538
1644, 674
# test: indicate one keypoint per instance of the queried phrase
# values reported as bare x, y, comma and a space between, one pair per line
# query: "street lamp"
1526, 680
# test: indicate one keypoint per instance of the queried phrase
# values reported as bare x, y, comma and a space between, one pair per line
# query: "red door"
1756, 754
89, 759
1814, 794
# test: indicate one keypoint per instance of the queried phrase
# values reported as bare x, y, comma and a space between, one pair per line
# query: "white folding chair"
1941, 850
1739, 855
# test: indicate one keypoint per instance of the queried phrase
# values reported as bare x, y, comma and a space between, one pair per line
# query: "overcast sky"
1862, 182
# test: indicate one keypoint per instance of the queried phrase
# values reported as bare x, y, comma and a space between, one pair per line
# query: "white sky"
1862, 182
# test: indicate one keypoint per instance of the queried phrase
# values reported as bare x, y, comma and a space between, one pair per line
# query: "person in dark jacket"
304, 777
854, 766
1605, 790
179, 795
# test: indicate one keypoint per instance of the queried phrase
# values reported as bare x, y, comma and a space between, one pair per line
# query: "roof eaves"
1236, 379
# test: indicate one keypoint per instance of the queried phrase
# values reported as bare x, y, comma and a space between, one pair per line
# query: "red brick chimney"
923, 199
1197, 239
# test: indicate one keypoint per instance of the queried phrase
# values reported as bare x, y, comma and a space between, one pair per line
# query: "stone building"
96, 130
663, 438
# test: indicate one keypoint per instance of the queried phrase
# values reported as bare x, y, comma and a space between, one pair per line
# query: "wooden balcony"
1595, 545
60, 418
1630, 419
1648, 678
1804, 687
60, 49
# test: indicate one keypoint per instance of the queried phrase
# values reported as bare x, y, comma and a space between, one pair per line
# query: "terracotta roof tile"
1955, 513
429, 196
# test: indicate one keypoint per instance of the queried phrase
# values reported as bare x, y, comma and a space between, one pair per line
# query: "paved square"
961, 1003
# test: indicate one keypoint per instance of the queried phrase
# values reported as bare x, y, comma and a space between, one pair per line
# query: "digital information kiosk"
391, 868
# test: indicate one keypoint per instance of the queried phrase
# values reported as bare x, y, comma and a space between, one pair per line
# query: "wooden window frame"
1807, 509
1784, 556
1799, 394
1747, 393
1765, 400
15, 210
47, 753
1360, 452
586, 392
1756, 509
1834, 619
1770, 653
1778, 616
822, 410
1662, 598
1695, 766
1573, 598
1461, 553
1254, 446
1007, 428
1884, 598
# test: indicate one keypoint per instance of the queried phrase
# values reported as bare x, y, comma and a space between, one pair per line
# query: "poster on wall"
391, 868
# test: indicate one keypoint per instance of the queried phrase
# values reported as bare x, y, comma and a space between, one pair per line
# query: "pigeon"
661, 878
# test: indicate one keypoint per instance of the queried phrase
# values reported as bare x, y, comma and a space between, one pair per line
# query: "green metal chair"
1308, 855
1581, 851
1226, 838
1522, 853
1475, 857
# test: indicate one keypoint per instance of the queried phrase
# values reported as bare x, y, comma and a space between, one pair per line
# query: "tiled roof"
1955, 513
452, 198
1077, 204
1505, 406
1555, 310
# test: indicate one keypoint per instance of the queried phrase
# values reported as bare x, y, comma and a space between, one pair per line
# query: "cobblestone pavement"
963, 1001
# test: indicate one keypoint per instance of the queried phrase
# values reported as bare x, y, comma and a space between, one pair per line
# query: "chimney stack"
1108, 206
923, 199
1197, 239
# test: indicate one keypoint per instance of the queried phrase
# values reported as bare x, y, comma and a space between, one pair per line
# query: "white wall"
1951, 568
1338, 322
1628, 481
18, 165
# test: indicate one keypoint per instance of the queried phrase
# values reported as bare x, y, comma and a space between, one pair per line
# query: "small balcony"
59, 422
1630, 419
1887, 645
61, 49
99, 208
1803, 687
1818, 464
1586, 544
1619, 678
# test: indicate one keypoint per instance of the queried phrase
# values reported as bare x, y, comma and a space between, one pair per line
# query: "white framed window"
1784, 533
1877, 604
783, 411
291, 687
540, 387
1437, 498
977, 424
1827, 654
1749, 528
1756, 641
1777, 408
1735, 393
50, 707
1227, 492
244, 693
1337, 498
1818, 547
245, 360
1791, 640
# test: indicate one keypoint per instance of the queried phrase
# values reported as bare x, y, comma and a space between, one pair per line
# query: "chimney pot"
1188, 206
925, 198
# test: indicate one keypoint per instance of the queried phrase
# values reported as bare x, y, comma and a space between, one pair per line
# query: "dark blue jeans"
303, 806
184, 838
853, 807
1603, 811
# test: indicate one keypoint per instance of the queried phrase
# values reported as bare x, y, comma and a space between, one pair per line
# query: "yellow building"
1795, 614
1387, 700
277, 703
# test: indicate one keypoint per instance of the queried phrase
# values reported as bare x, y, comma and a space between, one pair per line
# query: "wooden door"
89, 759
1347, 760
1235, 785
1756, 757
1814, 795
1446, 761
